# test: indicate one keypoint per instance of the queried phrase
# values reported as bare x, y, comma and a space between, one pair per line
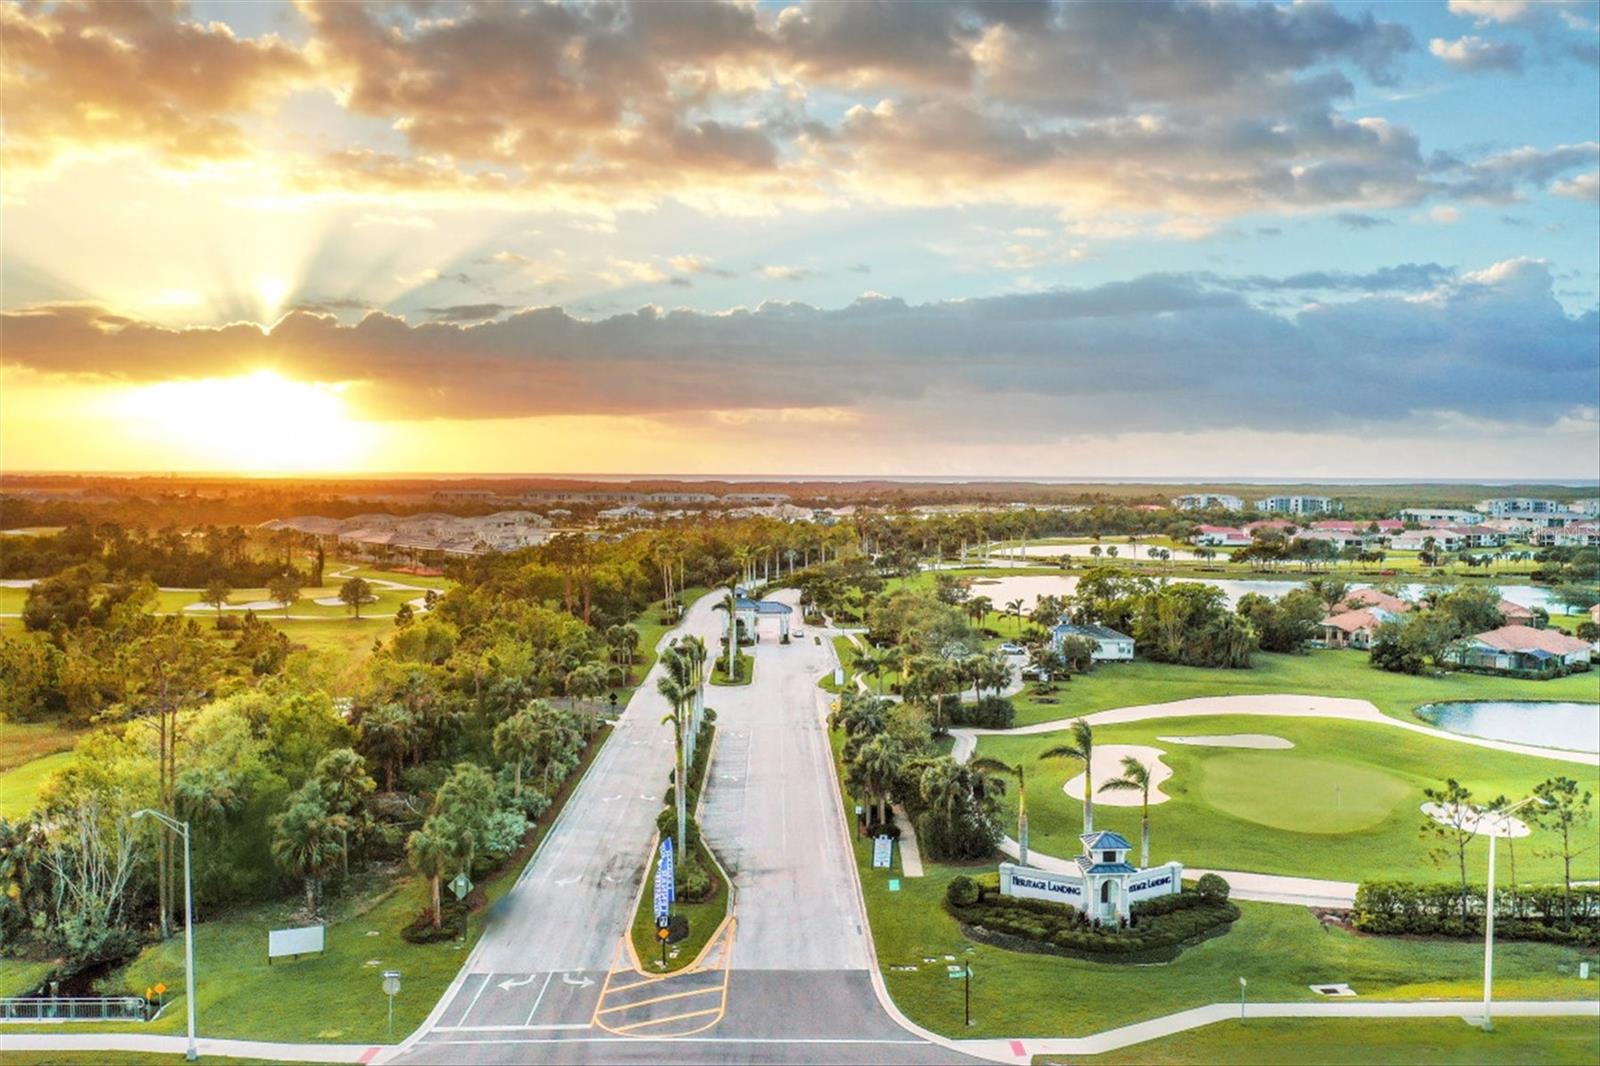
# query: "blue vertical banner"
666, 888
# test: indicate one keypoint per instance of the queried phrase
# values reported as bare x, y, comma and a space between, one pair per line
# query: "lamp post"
1242, 985
182, 828
1503, 814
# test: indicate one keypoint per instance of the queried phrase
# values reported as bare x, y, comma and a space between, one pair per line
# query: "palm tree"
978, 608
1082, 749
306, 841
730, 604
874, 663
518, 739
429, 852
586, 682
1014, 609
678, 696
1135, 778
875, 769
984, 762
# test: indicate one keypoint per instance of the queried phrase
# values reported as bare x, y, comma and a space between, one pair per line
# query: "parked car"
1011, 648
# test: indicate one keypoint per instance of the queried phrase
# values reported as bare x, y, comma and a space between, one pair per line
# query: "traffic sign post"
391, 988
461, 884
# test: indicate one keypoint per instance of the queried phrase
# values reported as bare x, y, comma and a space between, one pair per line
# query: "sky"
978, 239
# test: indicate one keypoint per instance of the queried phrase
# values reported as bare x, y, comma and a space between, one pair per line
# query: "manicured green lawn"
19, 787
1319, 673
1415, 1041
118, 1058
1342, 804
1327, 796
1281, 950
846, 651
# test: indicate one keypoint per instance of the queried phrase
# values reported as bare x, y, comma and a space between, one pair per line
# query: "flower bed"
1157, 931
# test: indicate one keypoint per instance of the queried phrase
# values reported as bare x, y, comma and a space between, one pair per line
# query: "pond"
1031, 586
1573, 726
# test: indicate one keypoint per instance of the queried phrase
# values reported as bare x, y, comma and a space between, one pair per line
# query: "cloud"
785, 273
1583, 187
467, 312
694, 264
94, 78
1155, 353
1358, 221
1476, 54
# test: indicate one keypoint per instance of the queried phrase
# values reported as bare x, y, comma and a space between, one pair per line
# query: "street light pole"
182, 828
1504, 815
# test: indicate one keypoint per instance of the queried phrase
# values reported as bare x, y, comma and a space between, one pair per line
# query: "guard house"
750, 612
1106, 884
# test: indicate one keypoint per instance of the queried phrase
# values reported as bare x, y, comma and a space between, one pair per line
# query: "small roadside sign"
461, 885
882, 852
894, 884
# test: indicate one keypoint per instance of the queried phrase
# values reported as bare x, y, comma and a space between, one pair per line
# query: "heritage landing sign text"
1037, 884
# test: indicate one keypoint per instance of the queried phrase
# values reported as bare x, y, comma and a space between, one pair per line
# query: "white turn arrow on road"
566, 979
508, 984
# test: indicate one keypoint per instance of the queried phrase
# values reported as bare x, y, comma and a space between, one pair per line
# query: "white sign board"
302, 941
838, 675
882, 852
1027, 882
1156, 881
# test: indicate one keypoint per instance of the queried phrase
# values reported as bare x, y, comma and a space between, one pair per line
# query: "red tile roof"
1373, 598
1351, 621
1526, 638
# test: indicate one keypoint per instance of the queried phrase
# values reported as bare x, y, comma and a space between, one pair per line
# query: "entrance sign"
882, 852
1104, 886
302, 941
665, 889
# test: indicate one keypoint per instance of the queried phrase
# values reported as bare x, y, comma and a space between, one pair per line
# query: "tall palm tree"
678, 696
730, 604
1082, 749
1014, 609
984, 762
875, 770
1135, 778
429, 852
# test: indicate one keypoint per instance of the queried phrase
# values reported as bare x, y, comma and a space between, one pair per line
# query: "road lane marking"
625, 1029
486, 979
662, 999
539, 998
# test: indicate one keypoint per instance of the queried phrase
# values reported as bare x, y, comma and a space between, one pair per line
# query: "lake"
1573, 726
1029, 587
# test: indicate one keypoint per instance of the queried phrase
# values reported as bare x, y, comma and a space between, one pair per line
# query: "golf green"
1286, 790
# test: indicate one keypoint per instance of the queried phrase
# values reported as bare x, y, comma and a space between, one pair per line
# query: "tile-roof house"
1354, 629
1375, 598
1515, 614
1521, 649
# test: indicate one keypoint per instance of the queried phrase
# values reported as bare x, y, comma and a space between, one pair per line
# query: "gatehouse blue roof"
1104, 840
1089, 866
745, 603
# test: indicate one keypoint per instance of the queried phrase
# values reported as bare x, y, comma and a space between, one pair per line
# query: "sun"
271, 292
256, 423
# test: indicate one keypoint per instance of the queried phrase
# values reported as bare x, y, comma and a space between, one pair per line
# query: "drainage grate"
1334, 991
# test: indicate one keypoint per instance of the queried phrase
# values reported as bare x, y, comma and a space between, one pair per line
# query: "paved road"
789, 981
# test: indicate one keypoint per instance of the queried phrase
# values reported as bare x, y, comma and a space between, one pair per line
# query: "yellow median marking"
625, 1029
662, 999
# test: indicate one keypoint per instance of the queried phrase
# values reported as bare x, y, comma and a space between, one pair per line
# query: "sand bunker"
1108, 767
1482, 823
1234, 740
253, 605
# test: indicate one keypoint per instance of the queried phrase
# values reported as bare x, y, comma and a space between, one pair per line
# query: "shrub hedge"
1157, 930
991, 712
1536, 912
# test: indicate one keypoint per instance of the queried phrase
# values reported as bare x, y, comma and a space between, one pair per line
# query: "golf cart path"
1262, 888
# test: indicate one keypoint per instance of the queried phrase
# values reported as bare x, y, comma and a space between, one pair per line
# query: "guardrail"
75, 1009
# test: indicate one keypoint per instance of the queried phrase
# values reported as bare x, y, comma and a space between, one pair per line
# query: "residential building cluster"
427, 537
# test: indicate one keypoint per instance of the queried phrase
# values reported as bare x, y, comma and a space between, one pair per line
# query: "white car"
1009, 648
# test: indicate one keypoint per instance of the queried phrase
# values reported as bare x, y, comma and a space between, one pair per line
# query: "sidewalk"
1023, 1050
177, 1045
